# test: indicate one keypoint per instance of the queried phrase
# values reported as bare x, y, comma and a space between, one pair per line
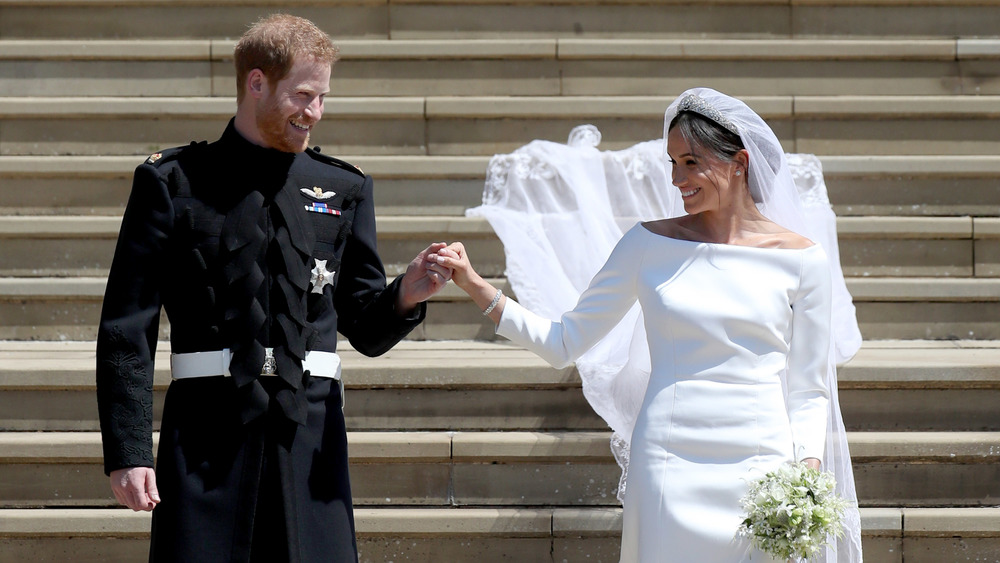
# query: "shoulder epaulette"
167, 155
317, 155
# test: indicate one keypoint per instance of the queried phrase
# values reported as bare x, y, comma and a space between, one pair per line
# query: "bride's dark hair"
701, 132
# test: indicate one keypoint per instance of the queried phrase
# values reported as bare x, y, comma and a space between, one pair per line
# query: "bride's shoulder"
673, 227
791, 240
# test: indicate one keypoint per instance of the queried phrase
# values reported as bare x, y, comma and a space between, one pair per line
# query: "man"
259, 250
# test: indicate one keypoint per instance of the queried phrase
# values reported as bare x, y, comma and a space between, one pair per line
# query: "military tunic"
227, 238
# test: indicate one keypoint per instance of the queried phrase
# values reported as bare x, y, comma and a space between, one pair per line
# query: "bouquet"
792, 512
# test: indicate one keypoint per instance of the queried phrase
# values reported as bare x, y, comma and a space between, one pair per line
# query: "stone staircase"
465, 448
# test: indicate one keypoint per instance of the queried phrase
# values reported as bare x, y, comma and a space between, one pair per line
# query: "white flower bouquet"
792, 512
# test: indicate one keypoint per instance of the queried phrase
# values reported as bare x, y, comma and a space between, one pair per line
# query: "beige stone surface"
586, 522
94, 523
536, 484
72, 548
892, 18
481, 550
105, 78
532, 446
923, 407
943, 521
111, 20
746, 78
987, 253
596, 550
957, 135
933, 321
905, 227
906, 257
972, 447
927, 289
432, 20
499, 522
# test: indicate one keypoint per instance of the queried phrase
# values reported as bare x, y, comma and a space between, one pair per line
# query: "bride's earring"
739, 172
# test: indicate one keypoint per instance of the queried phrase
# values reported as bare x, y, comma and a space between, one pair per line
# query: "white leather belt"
216, 362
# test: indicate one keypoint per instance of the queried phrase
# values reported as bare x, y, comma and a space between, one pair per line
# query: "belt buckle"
270, 366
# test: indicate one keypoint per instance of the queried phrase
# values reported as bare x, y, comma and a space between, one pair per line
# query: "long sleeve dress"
738, 339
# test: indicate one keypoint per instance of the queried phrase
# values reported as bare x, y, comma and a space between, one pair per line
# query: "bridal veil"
559, 210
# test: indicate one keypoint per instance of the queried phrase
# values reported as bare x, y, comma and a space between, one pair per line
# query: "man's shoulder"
172, 155
315, 155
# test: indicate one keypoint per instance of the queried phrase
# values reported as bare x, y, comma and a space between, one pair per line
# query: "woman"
737, 314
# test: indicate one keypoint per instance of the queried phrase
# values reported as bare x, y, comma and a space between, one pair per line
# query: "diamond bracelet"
493, 304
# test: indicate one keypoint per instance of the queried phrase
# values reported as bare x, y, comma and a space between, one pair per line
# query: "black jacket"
219, 236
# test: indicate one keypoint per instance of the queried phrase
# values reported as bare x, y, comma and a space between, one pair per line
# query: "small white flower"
792, 511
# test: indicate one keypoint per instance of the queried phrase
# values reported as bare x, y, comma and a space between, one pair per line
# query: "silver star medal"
320, 277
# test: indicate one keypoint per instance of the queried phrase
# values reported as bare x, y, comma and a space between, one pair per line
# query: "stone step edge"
474, 167
391, 3
884, 290
933, 365
523, 447
509, 107
406, 226
419, 346
495, 522
784, 49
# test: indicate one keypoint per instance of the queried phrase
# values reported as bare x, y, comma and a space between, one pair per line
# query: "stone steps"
445, 385
960, 247
483, 125
859, 185
888, 309
488, 535
407, 19
522, 67
463, 468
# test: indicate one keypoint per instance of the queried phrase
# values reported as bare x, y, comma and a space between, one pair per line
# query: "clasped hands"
430, 270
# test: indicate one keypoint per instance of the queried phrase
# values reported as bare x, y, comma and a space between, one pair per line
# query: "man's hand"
423, 278
135, 487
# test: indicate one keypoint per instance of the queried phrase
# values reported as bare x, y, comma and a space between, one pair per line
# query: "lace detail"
584, 136
807, 173
496, 179
620, 449
130, 390
635, 163
524, 166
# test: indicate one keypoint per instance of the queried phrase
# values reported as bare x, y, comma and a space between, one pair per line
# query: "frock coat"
227, 237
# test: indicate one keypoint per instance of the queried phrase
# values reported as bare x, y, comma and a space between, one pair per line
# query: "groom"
259, 250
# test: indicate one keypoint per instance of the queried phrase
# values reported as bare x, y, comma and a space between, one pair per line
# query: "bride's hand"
456, 258
812, 463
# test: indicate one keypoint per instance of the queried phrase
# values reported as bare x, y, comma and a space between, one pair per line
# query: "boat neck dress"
739, 338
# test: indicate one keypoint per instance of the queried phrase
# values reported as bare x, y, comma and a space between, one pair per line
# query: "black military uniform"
265, 255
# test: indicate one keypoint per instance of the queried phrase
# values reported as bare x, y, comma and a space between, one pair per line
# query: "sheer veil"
560, 209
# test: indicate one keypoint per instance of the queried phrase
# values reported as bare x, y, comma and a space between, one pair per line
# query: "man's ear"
256, 83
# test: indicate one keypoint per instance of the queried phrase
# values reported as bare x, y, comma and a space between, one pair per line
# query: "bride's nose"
677, 176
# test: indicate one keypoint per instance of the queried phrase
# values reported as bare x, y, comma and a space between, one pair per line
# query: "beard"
274, 129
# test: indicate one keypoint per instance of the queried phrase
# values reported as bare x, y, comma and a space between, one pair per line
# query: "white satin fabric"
720, 321
560, 209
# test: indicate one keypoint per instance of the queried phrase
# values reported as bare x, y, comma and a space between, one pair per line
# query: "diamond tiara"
697, 104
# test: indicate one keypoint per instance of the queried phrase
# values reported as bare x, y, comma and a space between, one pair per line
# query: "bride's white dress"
739, 342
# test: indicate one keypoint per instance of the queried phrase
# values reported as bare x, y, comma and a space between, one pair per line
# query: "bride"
732, 371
